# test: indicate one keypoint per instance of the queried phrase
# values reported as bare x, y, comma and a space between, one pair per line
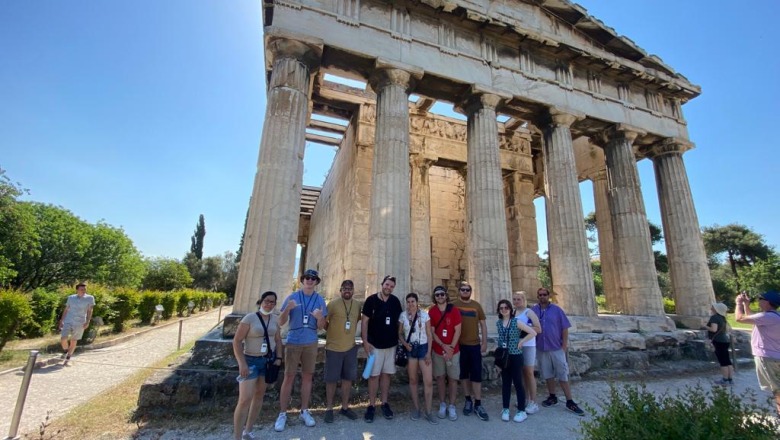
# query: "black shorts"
471, 362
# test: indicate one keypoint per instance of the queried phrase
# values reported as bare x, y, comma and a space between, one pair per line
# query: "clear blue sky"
149, 113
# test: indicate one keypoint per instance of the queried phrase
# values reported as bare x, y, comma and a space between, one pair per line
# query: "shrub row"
37, 313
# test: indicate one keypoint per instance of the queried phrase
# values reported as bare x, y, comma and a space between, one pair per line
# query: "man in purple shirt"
765, 339
551, 345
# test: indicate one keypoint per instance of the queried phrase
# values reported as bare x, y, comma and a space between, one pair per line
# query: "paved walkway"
59, 388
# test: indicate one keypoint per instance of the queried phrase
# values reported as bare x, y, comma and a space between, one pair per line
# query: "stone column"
615, 302
521, 232
421, 228
691, 282
566, 238
486, 239
637, 278
268, 259
390, 217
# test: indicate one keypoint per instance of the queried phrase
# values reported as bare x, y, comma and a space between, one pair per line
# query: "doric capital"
558, 117
421, 162
599, 175
667, 146
478, 98
386, 73
619, 132
282, 44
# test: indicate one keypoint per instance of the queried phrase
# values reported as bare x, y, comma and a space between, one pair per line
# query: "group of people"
446, 342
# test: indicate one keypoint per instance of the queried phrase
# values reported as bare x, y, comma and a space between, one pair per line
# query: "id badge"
387, 321
347, 325
444, 333
264, 348
503, 345
305, 319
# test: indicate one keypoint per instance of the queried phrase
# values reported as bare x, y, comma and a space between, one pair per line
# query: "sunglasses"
440, 294
309, 278
542, 294
269, 301
465, 289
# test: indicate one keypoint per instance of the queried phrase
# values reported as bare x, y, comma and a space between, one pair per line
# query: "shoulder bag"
271, 369
502, 352
401, 355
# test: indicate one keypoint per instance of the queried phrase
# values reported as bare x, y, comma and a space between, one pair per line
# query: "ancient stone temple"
551, 97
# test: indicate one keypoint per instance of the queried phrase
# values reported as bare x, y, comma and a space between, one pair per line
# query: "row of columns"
272, 227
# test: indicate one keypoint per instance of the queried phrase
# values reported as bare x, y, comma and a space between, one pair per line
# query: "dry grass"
108, 416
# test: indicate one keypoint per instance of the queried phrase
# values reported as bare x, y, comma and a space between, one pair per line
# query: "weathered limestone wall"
338, 241
448, 226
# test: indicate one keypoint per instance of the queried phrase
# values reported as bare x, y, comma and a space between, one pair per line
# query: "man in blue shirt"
551, 346
306, 311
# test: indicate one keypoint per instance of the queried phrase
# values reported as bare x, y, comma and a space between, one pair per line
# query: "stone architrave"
566, 238
634, 259
615, 301
486, 233
390, 216
521, 232
268, 259
421, 228
691, 282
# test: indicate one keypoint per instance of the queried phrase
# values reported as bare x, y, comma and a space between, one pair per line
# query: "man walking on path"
551, 347
306, 312
473, 345
75, 319
340, 349
380, 336
445, 333
765, 339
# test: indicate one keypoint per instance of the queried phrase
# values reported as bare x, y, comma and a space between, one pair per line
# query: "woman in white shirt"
416, 327
528, 317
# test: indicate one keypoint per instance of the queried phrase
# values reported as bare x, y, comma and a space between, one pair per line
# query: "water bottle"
369, 365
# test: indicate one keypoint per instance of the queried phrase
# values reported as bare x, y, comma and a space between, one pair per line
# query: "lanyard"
304, 304
349, 312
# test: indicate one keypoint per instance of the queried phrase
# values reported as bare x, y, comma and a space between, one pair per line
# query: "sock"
477, 402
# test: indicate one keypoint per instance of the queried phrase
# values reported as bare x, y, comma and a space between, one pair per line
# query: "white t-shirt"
419, 336
523, 317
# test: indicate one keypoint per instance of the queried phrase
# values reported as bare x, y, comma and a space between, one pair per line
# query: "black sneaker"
468, 408
481, 413
348, 413
329, 416
386, 411
571, 406
550, 401
369, 415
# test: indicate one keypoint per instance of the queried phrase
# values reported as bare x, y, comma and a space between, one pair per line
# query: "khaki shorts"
768, 372
303, 355
440, 366
552, 364
384, 362
75, 331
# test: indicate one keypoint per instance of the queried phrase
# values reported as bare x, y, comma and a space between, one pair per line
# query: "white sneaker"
281, 421
520, 417
453, 412
532, 408
307, 418
505, 414
248, 435
442, 410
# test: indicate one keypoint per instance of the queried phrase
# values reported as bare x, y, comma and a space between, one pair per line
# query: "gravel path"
59, 388
549, 423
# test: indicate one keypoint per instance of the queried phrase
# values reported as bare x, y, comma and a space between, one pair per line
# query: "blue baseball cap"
773, 296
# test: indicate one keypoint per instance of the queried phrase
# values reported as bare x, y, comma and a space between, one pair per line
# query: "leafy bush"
182, 301
45, 305
693, 414
669, 306
15, 311
125, 306
149, 300
199, 298
168, 302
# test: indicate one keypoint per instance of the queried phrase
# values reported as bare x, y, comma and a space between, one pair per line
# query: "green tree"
741, 245
196, 248
113, 258
165, 274
763, 275
17, 235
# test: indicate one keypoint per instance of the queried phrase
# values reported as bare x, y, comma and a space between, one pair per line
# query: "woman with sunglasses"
415, 333
250, 346
511, 336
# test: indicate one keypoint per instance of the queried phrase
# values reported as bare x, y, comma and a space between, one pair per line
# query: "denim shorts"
256, 366
418, 351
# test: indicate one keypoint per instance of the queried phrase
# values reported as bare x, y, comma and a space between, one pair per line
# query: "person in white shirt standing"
75, 319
